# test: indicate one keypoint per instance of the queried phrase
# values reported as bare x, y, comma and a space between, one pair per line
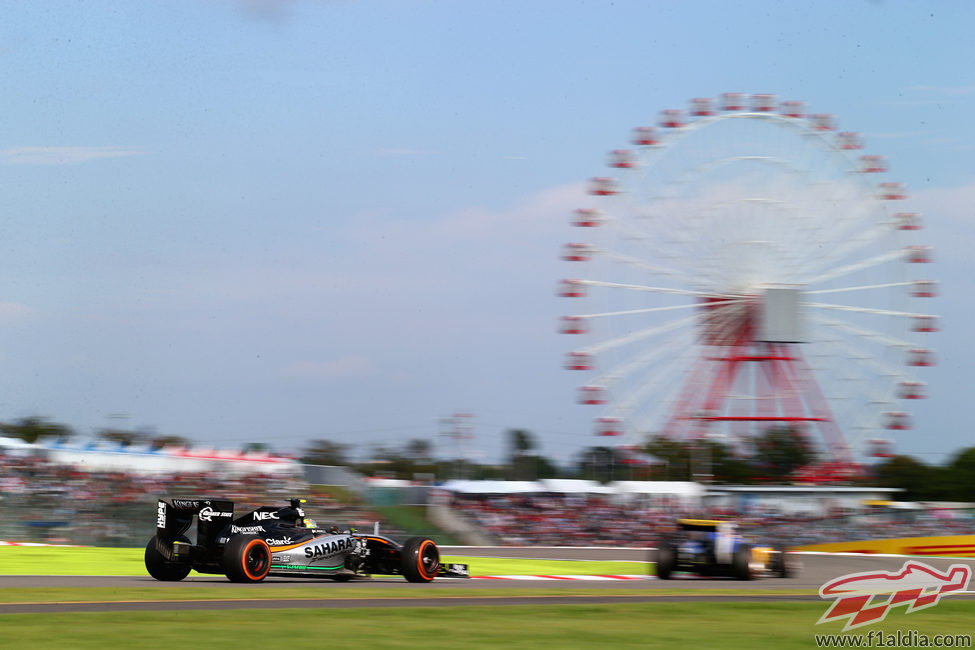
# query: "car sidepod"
327, 555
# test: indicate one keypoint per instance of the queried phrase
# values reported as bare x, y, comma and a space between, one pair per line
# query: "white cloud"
273, 11
330, 370
402, 151
893, 135
949, 219
955, 202
63, 155
13, 312
542, 213
943, 91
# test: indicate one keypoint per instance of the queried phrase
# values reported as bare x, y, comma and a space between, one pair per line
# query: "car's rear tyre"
741, 568
246, 559
420, 559
157, 566
783, 564
665, 559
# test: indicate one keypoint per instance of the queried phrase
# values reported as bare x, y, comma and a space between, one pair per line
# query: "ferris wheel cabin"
823, 122
911, 390
732, 102
795, 110
578, 361
609, 426
701, 107
925, 289
602, 186
672, 118
764, 103
572, 325
587, 218
645, 136
907, 221
872, 164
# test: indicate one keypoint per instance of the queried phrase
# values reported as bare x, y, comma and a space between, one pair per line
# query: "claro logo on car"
329, 548
284, 541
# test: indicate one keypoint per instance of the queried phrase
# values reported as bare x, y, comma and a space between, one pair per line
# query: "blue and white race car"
713, 548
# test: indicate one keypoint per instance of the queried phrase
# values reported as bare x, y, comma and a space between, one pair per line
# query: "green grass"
41, 560
621, 625
328, 590
414, 519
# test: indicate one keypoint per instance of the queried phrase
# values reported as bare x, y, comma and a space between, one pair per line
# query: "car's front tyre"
420, 559
741, 567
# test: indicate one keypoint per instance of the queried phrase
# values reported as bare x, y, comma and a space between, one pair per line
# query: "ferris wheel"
746, 266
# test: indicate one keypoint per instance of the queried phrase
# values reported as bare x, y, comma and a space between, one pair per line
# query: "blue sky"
244, 221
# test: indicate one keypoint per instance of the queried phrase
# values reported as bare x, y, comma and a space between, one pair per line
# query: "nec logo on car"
265, 515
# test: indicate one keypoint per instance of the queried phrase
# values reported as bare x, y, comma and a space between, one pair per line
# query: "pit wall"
948, 546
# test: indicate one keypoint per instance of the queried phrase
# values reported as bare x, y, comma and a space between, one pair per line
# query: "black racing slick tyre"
741, 563
665, 560
157, 566
246, 558
783, 564
420, 560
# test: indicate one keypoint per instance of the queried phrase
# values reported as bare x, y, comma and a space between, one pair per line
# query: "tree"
958, 482
907, 473
523, 463
780, 451
728, 467
32, 428
675, 456
420, 451
325, 452
158, 442
122, 436
603, 464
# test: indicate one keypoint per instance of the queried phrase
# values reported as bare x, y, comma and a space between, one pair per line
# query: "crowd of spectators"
591, 520
46, 502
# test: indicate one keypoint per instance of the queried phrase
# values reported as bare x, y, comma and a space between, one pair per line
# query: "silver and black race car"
274, 541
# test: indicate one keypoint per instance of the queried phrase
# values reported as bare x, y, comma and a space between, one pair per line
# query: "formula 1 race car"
278, 542
714, 549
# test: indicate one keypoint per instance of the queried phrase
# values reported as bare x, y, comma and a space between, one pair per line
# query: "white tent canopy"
17, 447
624, 489
573, 486
490, 487
673, 488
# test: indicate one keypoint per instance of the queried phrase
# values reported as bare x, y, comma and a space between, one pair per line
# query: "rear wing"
175, 516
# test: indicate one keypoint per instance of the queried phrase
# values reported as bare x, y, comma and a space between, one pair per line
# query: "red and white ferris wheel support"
746, 268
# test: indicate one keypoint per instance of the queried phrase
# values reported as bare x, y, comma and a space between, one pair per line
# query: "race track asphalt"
816, 569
